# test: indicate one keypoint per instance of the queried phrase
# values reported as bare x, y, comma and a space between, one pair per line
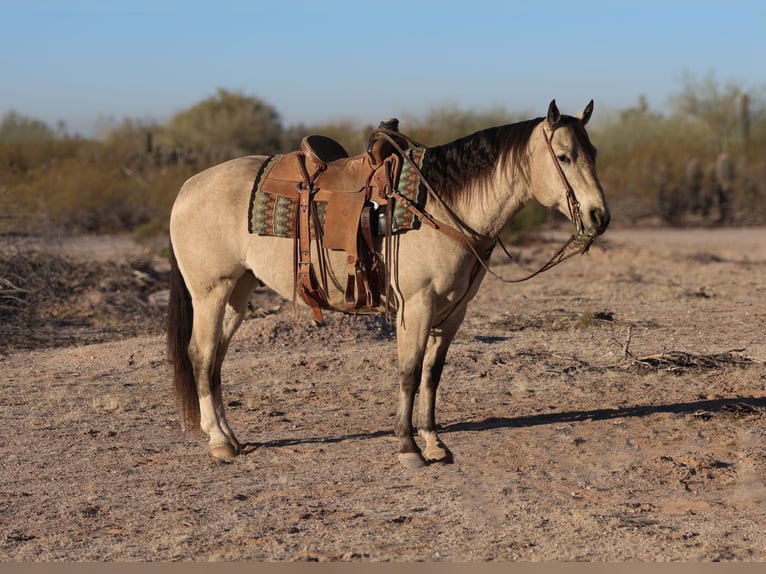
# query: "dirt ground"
610, 409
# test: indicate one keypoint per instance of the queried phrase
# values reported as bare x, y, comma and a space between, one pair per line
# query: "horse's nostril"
600, 219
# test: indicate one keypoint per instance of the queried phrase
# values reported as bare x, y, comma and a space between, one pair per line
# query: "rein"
461, 233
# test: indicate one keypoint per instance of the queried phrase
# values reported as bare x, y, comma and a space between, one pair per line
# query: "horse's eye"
563, 158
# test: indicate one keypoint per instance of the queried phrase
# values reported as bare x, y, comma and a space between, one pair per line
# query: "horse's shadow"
735, 406
732, 405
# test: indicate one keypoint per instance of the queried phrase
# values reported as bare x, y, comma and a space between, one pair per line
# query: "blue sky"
81, 61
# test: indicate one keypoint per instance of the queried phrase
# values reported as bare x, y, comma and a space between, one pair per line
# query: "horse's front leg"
433, 364
412, 335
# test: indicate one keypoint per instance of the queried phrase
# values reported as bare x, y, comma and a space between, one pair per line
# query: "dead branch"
676, 361
11, 292
626, 346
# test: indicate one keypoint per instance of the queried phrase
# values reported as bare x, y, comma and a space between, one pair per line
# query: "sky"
91, 62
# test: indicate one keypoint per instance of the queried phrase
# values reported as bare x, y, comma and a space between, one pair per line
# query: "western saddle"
343, 203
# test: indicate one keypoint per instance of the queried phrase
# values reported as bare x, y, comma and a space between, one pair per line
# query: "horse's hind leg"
234, 313
206, 337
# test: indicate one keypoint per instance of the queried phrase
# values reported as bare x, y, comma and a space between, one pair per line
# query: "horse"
479, 182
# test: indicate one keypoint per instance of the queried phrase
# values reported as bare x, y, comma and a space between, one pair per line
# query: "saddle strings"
462, 232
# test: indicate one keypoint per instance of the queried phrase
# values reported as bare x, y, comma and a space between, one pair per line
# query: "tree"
718, 107
15, 128
228, 123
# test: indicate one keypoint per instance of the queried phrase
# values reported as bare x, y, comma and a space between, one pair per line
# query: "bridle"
572, 203
458, 232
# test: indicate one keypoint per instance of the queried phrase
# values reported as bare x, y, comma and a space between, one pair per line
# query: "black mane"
451, 167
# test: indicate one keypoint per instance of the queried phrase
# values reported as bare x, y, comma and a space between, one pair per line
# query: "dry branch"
9, 290
677, 361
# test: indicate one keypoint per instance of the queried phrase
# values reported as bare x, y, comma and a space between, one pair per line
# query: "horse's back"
229, 182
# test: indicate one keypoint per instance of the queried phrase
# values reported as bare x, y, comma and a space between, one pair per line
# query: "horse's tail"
180, 316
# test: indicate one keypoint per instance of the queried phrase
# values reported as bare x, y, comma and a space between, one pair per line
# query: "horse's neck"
487, 208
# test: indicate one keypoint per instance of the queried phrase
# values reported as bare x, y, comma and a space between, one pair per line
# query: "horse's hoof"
224, 451
411, 460
437, 454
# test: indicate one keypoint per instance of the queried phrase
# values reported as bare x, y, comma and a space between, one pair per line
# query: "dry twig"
678, 361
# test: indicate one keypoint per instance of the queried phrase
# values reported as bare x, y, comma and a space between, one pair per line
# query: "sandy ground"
610, 409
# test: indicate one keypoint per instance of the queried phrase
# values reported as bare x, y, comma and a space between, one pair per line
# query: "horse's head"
563, 170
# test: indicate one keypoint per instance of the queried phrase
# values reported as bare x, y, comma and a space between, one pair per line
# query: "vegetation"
702, 163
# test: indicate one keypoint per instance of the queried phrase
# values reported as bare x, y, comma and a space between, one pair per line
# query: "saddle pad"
276, 214
409, 186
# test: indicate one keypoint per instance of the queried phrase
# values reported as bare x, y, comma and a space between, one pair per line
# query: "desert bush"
47, 299
228, 124
127, 181
647, 160
16, 128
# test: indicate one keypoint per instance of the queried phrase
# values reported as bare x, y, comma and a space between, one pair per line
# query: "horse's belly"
273, 261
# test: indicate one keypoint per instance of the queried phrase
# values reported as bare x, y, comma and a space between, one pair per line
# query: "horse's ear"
586, 113
554, 115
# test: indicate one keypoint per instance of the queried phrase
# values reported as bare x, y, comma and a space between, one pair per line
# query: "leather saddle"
342, 203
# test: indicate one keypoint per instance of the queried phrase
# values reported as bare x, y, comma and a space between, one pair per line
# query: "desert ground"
610, 409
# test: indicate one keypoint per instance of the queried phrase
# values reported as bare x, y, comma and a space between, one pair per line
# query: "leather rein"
578, 239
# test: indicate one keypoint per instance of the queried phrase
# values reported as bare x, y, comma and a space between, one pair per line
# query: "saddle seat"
323, 148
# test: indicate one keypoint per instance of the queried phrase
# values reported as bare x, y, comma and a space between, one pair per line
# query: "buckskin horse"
471, 188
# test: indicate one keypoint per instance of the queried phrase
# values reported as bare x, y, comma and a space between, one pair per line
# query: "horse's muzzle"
598, 221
